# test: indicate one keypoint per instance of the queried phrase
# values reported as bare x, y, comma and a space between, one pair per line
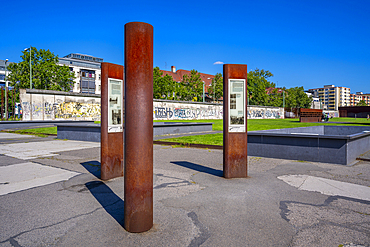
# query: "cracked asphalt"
193, 204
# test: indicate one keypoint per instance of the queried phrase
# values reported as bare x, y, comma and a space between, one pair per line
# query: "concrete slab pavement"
193, 204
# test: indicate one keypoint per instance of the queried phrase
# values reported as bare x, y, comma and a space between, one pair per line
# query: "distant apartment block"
2, 71
332, 97
355, 98
87, 71
315, 104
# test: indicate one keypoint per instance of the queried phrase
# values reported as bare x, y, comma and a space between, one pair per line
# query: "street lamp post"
6, 92
203, 92
26, 49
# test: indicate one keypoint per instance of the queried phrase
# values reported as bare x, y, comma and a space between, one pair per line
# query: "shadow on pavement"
111, 203
200, 168
93, 167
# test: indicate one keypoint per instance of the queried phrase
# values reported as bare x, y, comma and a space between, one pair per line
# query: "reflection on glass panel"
236, 102
114, 105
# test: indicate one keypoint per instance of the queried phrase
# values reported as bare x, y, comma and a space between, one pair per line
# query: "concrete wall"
50, 105
173, 110
265, 112
332, 113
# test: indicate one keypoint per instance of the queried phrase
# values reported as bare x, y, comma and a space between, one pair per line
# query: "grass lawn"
42, 132
260, 124
216, 139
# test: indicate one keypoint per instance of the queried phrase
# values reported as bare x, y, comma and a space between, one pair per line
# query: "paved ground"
57, 199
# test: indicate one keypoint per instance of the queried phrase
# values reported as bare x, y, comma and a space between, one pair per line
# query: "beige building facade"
332, 97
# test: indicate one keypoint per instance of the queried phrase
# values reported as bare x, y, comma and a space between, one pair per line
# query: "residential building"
2, 71
87, 71
177, 76
315, 100
355, 98
332, 97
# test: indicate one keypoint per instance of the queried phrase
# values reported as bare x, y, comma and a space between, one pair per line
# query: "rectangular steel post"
111, 142
138, 192
235, 121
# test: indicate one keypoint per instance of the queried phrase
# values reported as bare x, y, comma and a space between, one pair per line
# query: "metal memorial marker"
138, 191
235, 121
112, 113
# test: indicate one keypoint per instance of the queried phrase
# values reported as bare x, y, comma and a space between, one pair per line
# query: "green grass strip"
42, 132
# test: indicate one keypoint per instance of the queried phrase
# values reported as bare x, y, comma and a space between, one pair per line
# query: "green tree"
275, 98
257, 84
191, 87
163, 86
361, 103
297, 98
46, 73
216, 90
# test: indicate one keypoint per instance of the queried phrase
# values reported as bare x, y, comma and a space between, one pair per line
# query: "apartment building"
332, 97
355, 98
87, 71
3, 70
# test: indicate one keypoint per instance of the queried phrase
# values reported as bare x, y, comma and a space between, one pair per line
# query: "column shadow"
199, 168
94, 167
111, 203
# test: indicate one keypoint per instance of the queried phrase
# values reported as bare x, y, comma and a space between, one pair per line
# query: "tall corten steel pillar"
111, 121
235, 121
138, 209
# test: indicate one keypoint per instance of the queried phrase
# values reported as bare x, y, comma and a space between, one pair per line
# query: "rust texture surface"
2, 104
310, 115
138, 191
111, 143
235, 160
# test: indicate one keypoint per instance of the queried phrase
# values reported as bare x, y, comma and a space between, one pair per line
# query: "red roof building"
177, 75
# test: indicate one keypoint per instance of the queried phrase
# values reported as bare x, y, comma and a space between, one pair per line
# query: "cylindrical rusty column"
2, 103
138, 209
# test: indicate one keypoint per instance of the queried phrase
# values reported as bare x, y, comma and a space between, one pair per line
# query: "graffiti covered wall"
51, 105
168, 110
265, 112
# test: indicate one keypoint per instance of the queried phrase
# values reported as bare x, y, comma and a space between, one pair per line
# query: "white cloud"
218, 62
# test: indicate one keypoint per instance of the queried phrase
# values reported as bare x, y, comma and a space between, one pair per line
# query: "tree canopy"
257, 81
216, 90
46, 73
191, 89
164, 87
361, 103
297, 98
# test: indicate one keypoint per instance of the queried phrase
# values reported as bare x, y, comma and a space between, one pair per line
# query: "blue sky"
303, 43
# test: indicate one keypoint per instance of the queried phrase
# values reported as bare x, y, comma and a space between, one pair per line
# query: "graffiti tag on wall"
263, 113
76, 109
186, 113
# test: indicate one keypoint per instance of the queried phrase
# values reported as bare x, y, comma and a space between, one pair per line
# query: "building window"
87, 81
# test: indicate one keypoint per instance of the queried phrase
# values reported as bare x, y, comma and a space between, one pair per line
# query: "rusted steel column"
235, 121
2, 104
111, 142
138, 211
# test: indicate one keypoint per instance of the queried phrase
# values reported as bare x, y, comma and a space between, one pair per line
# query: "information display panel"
115, 111
237, 106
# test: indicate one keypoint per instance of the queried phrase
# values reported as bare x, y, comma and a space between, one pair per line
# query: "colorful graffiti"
264, 113
75, 109
186, 113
